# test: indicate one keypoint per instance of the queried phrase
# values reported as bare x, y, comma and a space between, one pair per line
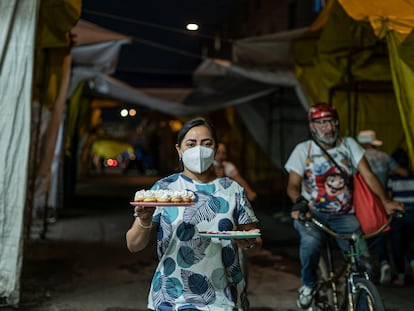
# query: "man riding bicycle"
316, 184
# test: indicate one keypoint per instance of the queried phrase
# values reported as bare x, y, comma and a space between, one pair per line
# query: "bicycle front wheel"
366, 297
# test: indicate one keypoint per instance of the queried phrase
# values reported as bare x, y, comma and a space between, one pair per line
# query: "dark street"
99, 97
83, 263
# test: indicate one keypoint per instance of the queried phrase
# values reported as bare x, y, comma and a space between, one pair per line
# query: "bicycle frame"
351, 270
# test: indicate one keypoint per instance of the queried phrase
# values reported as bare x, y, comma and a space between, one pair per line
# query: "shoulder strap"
348, 179
354, 169
309, 149
331, 158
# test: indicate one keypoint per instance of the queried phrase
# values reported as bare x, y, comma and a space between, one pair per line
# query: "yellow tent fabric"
383, 15
106, 148
56, 19
403, 79
78, 115
343, 61
394, 22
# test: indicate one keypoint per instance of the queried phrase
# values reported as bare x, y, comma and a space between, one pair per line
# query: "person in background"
194, 272
401, 188
317, 186
382, 165
223, 168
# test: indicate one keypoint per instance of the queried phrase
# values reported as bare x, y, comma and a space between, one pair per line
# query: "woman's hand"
249, 243
253, 243
144, 213
138, 235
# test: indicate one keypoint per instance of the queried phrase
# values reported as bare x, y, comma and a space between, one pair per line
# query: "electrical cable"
148, 24
156, 44
167, 48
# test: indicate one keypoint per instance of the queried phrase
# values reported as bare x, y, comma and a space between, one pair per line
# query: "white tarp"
276, 118
246, 84
106, 86
17, 38
261, 67
267, 52
276, 123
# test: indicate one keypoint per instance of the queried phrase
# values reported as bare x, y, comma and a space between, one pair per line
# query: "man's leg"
344, 224
397, 243
309, 253
409, 238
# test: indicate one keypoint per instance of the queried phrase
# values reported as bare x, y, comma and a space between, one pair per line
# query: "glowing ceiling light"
175, 125
192, 27
124, 113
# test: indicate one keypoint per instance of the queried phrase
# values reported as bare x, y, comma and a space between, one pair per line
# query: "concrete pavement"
83, 264
102, 275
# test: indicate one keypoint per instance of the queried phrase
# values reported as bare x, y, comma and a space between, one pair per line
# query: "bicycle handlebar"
351, 236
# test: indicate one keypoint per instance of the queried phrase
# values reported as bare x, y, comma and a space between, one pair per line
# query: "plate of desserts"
149, 198
153, 204
230, 234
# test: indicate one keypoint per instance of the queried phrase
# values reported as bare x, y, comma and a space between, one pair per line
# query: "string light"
167, 28
156, 44
192, 27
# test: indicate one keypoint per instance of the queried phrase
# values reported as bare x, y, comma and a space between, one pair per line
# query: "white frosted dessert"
164, 196
139, 196
149, 196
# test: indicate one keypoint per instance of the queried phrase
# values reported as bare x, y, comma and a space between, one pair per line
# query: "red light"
112, 162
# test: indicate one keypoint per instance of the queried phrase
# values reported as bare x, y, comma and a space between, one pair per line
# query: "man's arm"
377, 188
294, 190
251, 194
401, 171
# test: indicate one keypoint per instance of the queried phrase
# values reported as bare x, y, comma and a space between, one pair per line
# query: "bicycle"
349, 287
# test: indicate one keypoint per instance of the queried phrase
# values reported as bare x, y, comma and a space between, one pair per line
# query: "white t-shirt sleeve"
357, 152
297, 159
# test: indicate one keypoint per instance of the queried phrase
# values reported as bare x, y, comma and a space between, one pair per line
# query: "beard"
328, 138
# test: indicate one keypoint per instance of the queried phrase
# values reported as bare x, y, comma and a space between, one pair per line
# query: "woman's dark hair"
193, 123
401, 157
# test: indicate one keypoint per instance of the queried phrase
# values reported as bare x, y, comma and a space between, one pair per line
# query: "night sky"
163, 53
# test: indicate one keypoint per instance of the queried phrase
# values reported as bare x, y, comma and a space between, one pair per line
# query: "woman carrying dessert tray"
196, 272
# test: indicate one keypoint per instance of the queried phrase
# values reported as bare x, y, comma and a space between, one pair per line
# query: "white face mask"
198, 159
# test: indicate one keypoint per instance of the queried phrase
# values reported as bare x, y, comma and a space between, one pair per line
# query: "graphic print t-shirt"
323, 184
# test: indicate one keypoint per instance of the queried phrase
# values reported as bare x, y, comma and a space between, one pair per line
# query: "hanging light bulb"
124, 113
192, 26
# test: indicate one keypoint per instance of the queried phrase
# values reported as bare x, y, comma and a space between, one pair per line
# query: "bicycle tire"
323, 299
366, 297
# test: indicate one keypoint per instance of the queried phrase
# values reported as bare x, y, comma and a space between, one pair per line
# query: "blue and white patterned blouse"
196, 272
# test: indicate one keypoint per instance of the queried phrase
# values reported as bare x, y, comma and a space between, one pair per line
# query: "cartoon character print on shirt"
333, 192
324, 185
331, 188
